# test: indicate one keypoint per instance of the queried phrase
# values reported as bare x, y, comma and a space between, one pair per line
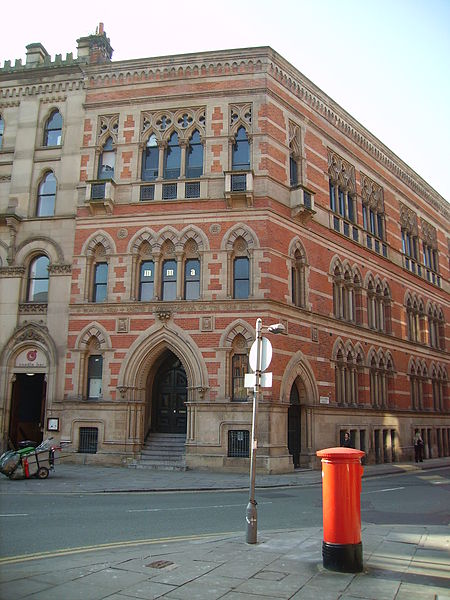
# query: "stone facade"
260, 197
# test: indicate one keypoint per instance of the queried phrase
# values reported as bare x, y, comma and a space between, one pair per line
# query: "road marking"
15, 515
384, 490
134, 510
440, 482
9, 560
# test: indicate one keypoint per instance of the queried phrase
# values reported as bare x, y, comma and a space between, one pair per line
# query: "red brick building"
215, 189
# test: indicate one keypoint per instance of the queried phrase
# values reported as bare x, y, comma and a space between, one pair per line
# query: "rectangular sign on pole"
250, 380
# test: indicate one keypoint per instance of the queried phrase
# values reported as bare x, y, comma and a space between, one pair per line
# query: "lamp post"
262, 354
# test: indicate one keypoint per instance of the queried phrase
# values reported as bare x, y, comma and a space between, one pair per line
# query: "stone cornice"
55, 91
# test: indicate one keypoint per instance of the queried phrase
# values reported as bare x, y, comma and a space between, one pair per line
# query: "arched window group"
417, 380
439, 387
415, 315
348, 373
436, 327
378, 306
347, 293
381, 372
298, 276
178, 158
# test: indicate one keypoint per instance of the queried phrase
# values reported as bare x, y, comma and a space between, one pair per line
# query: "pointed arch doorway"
294, 421
169, 395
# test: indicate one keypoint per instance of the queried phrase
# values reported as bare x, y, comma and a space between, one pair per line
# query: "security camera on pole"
259, 359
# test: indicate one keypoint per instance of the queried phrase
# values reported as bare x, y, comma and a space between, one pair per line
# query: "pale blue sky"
386, 62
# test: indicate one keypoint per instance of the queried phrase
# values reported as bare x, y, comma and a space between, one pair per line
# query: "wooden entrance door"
170, 395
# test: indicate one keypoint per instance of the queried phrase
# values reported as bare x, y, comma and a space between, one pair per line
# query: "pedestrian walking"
418, 447
347, 442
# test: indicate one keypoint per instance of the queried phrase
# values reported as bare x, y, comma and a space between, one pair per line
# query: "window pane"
192, 279
150, 162
52, 136
241, 278
239, 369
332, 197
241, 151
169, 290
293, 171
172, 158
38, 280
194, 156
100, 282
146, 281
95, 368
107, 161
46, 196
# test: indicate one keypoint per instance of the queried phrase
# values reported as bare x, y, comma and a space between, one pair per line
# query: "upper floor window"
107, 160
298, 275
415, 315
150, 159
192, 279
94, 376
241, 277
293, 171
194, 156
430, 253
146, 281
100, 282
46, 196
347, 294
436, 327
38, 280
342, 185
53, 129
373, 214
172, 158
2, 129
169, 280
241, 151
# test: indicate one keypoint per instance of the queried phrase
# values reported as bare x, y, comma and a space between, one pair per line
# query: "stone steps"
163, 452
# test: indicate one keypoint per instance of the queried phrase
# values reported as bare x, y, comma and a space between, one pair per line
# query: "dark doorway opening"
169, 397
27, 408
294, 426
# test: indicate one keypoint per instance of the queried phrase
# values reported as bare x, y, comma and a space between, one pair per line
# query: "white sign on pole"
250, 380
266, 354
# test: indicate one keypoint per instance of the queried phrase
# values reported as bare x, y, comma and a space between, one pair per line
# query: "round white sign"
266, 354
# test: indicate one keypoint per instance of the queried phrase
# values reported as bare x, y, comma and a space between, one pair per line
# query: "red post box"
341, 491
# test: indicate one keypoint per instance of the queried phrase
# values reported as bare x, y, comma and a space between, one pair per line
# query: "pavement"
401, 562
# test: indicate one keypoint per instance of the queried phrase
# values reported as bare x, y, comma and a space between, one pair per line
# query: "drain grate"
160, 564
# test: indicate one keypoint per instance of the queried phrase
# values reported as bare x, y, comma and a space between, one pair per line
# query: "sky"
386, 62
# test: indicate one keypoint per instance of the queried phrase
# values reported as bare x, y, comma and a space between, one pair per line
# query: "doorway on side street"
27, 408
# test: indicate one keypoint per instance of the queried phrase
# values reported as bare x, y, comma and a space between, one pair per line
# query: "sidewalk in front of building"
401, 562
91, 478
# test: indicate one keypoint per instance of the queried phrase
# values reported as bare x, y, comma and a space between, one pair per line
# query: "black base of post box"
346, 558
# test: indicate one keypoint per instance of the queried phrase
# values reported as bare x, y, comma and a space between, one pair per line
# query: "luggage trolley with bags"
30, 460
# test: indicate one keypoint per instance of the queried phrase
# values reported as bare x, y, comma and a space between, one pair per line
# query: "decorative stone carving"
429, 234
122, 324
341, 172
109, 126
372, 194
60, 269
163, 313
13, 271
32, 308
207, 323
408, 220
122, 233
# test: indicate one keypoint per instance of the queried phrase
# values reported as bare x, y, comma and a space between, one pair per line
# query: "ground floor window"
88, 440
238, 443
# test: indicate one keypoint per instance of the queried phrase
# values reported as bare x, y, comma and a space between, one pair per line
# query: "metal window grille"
238, 443
239, 183
169, 191
98, 191
307, 200
147, 192
88, 440
192, 189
